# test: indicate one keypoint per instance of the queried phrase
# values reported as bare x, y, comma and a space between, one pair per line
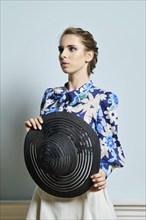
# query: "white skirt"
89, 206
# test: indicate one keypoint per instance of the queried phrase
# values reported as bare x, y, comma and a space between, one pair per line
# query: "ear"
89, 56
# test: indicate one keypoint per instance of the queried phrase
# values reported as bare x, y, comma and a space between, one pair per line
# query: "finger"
28, 125
32, 121
95, 175
37, 122
40, 119
100, 185
101, 173
99, 179
27, 128
95, 178
96, 189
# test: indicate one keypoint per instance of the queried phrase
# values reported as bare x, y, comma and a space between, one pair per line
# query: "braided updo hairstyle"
89, 43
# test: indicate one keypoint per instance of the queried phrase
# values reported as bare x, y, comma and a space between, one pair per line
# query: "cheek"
78, 57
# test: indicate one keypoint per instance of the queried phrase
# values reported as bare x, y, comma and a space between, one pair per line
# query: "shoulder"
49, 92
109, 99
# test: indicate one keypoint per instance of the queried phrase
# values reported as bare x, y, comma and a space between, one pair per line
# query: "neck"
75, 83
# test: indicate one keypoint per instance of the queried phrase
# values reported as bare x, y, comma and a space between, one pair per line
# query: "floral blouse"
99, 109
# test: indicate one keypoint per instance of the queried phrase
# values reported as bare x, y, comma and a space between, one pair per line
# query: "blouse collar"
76, 95
73, 97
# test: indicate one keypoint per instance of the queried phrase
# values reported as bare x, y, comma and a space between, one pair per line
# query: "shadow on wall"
14, 175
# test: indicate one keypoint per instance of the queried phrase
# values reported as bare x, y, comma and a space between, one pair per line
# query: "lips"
64, 64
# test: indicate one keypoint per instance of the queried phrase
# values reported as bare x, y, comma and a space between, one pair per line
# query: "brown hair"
89, 43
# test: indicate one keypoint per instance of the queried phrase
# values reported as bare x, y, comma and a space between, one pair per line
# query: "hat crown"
57, 156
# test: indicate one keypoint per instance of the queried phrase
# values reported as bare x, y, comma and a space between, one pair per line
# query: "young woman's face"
72, 54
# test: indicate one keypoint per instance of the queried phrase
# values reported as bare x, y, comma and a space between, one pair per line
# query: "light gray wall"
30, 32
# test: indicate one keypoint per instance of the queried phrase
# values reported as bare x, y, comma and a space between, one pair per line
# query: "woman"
78, 54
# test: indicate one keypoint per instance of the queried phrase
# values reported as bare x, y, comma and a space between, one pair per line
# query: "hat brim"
88, 157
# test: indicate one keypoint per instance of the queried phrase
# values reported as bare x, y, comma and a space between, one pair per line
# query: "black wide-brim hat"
63, 155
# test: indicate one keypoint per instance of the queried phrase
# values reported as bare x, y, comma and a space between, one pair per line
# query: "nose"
63, 54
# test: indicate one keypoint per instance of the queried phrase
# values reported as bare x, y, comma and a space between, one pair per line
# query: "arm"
112, 155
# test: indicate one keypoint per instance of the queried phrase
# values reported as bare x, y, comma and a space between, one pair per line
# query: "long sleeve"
112, 155
85, 102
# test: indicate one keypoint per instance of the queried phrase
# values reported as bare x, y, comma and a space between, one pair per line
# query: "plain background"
30, 32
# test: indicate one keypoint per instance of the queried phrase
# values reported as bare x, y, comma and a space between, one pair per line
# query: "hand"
33, 123
99, 180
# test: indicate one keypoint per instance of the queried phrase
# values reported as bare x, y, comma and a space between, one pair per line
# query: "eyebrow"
70, 45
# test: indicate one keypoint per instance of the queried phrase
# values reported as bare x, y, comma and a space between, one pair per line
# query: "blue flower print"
75, 98
99, 109
110, 142
62, 98
100, 128
101, 123
59, 94
113, 157
52, 109
82, 93
48, 93
113, 101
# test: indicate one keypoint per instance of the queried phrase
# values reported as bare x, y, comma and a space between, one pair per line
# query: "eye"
72, 49
60, 49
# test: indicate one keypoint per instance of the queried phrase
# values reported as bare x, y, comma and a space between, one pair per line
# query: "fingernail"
95, 185
40, 127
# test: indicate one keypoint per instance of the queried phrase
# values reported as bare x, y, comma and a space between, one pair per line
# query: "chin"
65, 71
